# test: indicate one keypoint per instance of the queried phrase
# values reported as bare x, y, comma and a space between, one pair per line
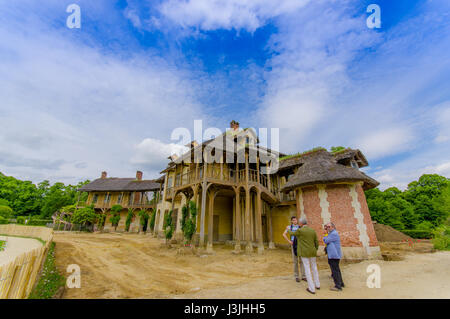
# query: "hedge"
4, 220
418, 234
39, 222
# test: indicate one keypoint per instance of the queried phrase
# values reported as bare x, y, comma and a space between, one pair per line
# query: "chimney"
139, 175
104, 174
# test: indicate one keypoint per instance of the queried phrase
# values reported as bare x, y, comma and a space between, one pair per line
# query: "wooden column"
237, 246
209, 247
270, 228
259, 234
248, 238
203, 211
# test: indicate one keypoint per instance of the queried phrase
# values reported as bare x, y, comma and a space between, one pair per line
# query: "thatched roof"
345, 156
115, 184
320, 167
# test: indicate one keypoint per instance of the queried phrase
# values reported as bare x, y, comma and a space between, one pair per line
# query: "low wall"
17, 277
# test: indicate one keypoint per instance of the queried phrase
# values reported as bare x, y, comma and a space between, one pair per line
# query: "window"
354, 164
95, 199
170, 182
107, 198
119, 198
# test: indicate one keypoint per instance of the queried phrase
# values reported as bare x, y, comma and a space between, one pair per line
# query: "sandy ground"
138, 266
16, 246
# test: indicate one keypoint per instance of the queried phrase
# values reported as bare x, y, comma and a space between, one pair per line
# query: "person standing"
333, 244
293, 242
307, 249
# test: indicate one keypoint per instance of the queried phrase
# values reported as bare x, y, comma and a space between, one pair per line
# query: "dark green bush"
4, 220
39, 222
20, 220
418, 234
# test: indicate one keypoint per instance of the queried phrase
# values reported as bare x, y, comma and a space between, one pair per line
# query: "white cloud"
152, 153
385, 141
64, 102
210, 15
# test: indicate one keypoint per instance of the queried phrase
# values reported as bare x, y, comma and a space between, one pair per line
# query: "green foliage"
39, 222
418, 233
115, 217
101, 220
20, 220
188, 221
336, 149
3, 220
423, 206
84, 216
6, 212
116, 209
2, 245
441, 238
315, 149
28, 199
129, 219
144, 216
168, 227
50, 281
152, 221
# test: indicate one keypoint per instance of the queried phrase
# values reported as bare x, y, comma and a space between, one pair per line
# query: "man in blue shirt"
333, 244
293, 242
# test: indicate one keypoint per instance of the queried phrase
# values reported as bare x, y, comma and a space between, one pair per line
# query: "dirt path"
15, 246
136, 266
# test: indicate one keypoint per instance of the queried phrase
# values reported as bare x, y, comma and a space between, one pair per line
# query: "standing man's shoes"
342, 285
297, 280
311, 292
335, 289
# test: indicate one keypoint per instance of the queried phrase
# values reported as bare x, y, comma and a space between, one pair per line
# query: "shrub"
4, 220
39, 222
6, 211
441, 238
143, 219
83, 216
20, 220
418, 233
115, 218
129, 219
152, 221
188, 221
168, 227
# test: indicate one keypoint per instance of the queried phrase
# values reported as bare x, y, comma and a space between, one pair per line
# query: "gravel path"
16, 246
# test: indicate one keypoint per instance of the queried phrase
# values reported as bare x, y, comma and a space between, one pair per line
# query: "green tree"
129, 219
115, 217
143, 219
84, 216
6, 212
188, 221
168, 227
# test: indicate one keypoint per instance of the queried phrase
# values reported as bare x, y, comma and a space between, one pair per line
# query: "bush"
152, 221
129, 219
5, 211
20, 220
4, 220
39, 222
168, 227
188, 221
144, 219
418, 233
441, 238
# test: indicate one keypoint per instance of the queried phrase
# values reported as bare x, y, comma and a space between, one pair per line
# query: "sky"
108, 95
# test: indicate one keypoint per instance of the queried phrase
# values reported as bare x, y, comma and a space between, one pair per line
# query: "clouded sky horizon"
107, 96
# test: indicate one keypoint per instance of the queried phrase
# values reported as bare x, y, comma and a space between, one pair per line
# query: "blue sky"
107, 96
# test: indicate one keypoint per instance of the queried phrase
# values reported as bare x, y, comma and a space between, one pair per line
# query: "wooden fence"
17, 277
